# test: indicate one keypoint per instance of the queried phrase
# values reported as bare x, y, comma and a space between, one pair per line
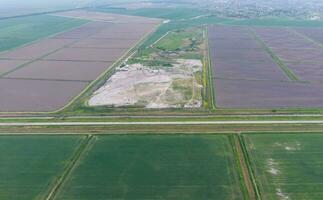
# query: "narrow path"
159, 123
244, 169
162, 37
289, 73
69, 168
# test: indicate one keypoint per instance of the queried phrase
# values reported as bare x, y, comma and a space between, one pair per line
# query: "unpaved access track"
159, 123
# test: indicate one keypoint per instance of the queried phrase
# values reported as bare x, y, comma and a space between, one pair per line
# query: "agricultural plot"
287, 166
246, 61
283, 38
155, 167
105, 43
313, 33
61, 70
267, 94
36, 50
31, 164
87, 54
16, 32
307, 71
107, 17
247, 70
254, 68
291, 47
165, 75
158, 12
300, 54
47, 74
8, 65
25, 95
84, 31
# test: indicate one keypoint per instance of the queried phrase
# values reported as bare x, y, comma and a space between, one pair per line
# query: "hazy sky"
41, 3
19, 7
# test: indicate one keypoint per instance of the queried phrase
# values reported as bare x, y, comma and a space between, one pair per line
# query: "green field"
155, 167
177, 40
199, 16
30, 164
15, 32
287, 166
182, 18
164, 13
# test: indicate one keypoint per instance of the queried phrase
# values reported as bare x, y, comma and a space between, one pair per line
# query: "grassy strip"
77, 156
36, 59
204, 77
242, 163
305, 37
246, 158
161, 118
160, 129
209, 85
239, 167
280, 63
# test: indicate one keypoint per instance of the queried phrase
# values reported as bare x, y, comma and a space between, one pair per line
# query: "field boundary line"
95, 81
247, 182
47, 54
305, 37
162, 37
41, 13
237, 164
175, 132
245, 156
47, 37
209, 67
205, 76
288, 72
169, 123
69, 168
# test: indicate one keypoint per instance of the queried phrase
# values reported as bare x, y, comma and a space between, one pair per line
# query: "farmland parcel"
58, 68
266, 67
30, 164
155, 167
287, 166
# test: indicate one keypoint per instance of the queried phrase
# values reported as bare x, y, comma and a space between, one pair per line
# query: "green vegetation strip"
210, 84
305, 37
152, 118
245, 176
193, 15
280, 63
69, 168
245, 189
165, 13
251, 172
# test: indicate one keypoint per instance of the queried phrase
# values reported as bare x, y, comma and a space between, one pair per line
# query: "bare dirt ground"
161, 76
139, 85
